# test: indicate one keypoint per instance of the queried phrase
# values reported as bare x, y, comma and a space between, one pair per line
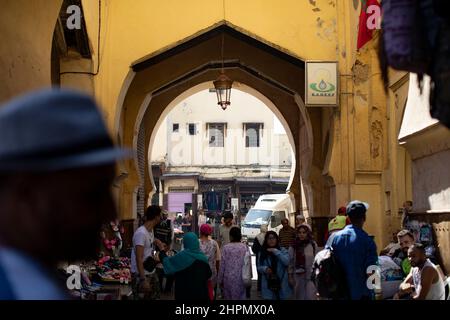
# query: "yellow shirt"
337, 223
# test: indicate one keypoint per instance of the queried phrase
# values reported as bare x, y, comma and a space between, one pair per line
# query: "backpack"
163, 231
426, 234
329, 276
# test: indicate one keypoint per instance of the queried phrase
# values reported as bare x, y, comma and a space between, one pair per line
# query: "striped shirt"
287, 237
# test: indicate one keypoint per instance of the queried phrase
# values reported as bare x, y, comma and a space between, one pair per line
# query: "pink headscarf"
205, 229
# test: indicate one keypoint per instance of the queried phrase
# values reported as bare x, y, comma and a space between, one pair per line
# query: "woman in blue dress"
273, 265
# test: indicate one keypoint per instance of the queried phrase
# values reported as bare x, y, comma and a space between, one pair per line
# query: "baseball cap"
357, 208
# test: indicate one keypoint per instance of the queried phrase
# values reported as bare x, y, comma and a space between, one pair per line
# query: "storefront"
179, 201
216, 195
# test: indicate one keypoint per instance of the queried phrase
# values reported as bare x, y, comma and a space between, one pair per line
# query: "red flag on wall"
364, 33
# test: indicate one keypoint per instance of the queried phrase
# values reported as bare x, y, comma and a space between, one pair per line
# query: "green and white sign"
321, 83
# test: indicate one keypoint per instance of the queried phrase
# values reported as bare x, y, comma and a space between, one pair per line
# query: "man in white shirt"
145, 281
424, 281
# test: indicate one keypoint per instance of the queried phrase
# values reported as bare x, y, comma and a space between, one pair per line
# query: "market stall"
391, 271
108, 278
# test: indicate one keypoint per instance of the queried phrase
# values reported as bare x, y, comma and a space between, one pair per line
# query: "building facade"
211, 156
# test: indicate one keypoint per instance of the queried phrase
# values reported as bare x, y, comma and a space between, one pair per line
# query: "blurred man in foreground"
56, 170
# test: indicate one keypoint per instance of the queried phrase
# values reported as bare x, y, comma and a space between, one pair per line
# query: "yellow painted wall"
375, 224
306, 28
341, 164
131, 30
91, 12
398, 172
26, 32
74, 73
321, 30
134, 29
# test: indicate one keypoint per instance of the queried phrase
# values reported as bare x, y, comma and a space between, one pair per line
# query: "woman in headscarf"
274, 263
304, 253
211, 249
191, 270
231, 265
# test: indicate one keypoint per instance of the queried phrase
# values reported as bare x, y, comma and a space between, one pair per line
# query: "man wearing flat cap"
355, 251
56, 171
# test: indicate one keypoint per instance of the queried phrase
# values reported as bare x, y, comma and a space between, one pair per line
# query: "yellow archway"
160, 80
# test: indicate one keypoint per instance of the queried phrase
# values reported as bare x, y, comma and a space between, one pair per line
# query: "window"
216, 134
192, 129
176, 127
252, 134
258, 216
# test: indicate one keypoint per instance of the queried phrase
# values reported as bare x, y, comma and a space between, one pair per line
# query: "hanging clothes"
440, 75
416, 38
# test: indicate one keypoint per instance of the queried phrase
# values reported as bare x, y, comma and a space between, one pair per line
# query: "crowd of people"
289, 264
214, 264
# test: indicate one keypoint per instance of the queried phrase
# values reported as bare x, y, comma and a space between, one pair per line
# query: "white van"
270, 209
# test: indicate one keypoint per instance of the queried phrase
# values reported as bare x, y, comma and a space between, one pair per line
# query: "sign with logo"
321, 83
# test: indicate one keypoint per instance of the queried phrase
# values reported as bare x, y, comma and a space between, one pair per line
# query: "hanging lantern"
223, 86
